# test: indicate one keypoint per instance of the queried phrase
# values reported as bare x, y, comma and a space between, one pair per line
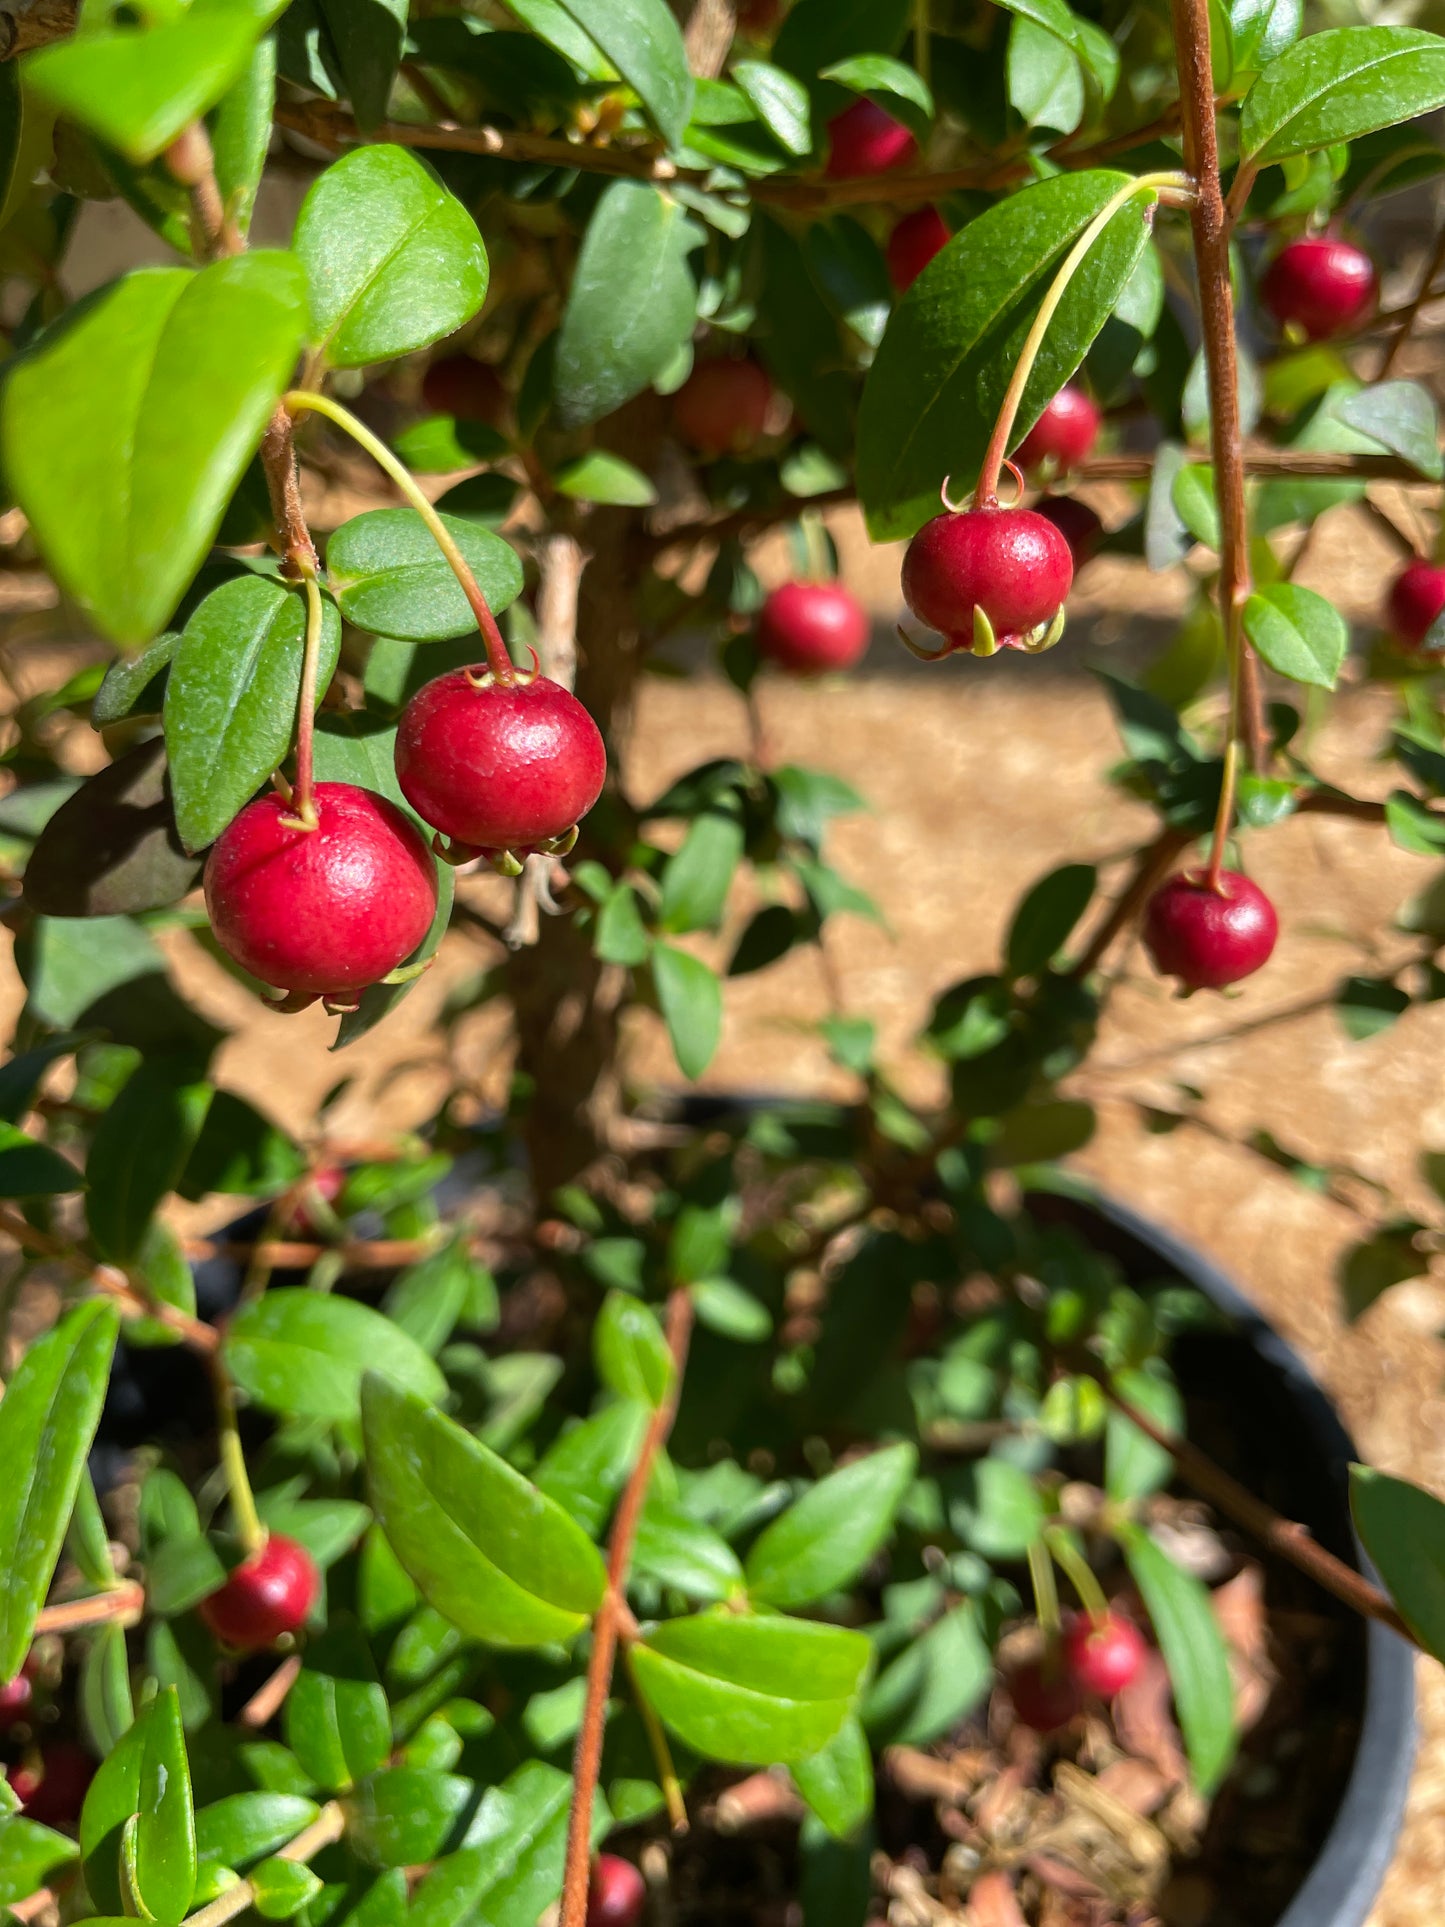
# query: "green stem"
986, 494
303, 801
1046, 1593
922, 49
303, 400
1080, 1573
249, 1529
661, 1753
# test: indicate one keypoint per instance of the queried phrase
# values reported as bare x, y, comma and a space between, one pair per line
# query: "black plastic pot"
1294, 1422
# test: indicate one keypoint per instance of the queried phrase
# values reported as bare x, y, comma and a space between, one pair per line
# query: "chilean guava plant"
447, 1535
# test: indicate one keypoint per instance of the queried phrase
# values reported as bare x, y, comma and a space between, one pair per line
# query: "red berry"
1417, 595
499, 767
722, 407
53, 1789
617, 1893
865, 140
1043, 1694
325, 911
466, 388
1103, 1655
1321, 286
269, 1594
812, 627
1076, 522
1209, 938
913, 244
1009, 563
1064, 433
15, 1696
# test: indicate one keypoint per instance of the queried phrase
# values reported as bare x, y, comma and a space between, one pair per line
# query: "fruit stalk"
1046, 1593
249, 1529
303, 797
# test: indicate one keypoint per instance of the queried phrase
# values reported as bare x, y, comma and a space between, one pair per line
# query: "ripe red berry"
617, 1893
913, 244
466, 388
499, 766
722, 407
1209, 938
1103, 1655
1043, 1693
1320, 285
15, 1697
812, 627
1076, 522
1009, 564
865, 140
1064, 434
269, 1594
52, 1789
1417, 595
324, 912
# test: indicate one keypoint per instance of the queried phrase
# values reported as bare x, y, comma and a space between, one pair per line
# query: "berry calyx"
809, 628
269, 1594
1319, 285
323, 912
1076, 522
617, 1893
913, 243
1417, 595
1043, 1693
1064, 434
465, 388
722, 407
51, 1788
864, 140
990, 578
499, 766
1103, 1655
15, 1697
1209, 938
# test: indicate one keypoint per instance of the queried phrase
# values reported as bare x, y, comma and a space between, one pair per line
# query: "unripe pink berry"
1209, 938
809, 628
1321, 285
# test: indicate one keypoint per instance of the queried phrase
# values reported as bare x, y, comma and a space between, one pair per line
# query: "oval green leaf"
1297, 633
1404, 1533
1194, 1651
144, 1787
830, 1534
337, 1721
690, 998
389, 576
112, 848
302, 1354
1336, 86
644, 42
140, 1148
632, 1355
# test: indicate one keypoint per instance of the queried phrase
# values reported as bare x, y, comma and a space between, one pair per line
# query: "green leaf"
1134, 1466
1336, 86
245, 1827
997, 1510
779, 101
824, 1541
586, 1468
690, 998
405, 1816
125, 429
511, 1868
241, 132
1403, 1530
674, 1549
632, 1355
232, 696
1045, 919
144, 1790
1367, 1270
620, 936
337, 1721
138, 88
240, 1152
369, 36
1413, 825
281, 1888
489, 1551
1045, 80
1261, 30
873, 73
129, 677
850, 268
751, 1691
809, 799
933, 392
1094, 48
31, 1170
392, 259
1297, 633
837, 1781
1196, 502
303, 1353
697, 879
1194, 1651
389, 576
106, 1704
29, 1855
140, 1149
1367, 1005
112, 848
451, 1287
1402, 417
644, 42
632, 303
933, 1683
725, 1308
437, 444
600, 476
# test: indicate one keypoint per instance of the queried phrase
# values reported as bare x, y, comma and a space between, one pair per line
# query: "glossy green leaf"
1403, 1529
112, 848
780, 102
1297, 633
107, 1708
129, 678
389, 576
240, 129
724, 1307
143, 1788
674, 1549
1045, 79
405, 1816
1196, 502
586, 1468
437, 444
1402, 417
245, 1827
137, 88
690, 998
850, 268
336, 1719
511, 1868
125, 429
632, 1355
30, 1855
933, 392
632, 303
32, 1170
1093, 48
451, 1287
303, 1354
489, 1551
930, 1686
140, 1149
698, 877
1340, 84
1134, 1466
837, 1781
369, 36
752, 1691
828, 1536
281, 1888
1045, 919
1261, 30
393, 260
240, 1152
1194, 1650
600, 476
621, 937
231, 697
644, 42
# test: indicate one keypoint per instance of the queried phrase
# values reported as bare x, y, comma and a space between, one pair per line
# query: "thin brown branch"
1150, 868
298, 1254
125, 1602
192, 162
268, 1699
1319, 464
131, 1299
612, 1615
1423, 296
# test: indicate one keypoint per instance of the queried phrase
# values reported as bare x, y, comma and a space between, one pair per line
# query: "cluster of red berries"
1095, 1658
